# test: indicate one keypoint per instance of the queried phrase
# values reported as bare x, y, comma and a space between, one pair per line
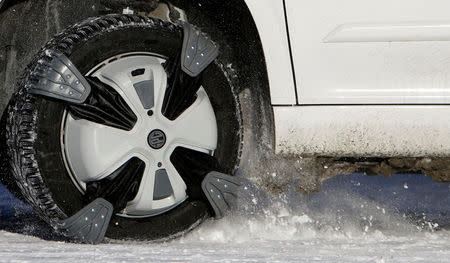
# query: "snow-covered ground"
232, 242
350, 220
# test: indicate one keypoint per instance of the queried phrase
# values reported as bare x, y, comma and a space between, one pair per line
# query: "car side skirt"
364, 131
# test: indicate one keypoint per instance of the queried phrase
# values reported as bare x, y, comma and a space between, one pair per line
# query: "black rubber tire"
6, 177
34, 124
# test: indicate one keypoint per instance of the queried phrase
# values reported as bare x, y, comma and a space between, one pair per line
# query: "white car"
146, 104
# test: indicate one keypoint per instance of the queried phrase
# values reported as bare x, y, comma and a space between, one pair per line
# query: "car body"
369, 78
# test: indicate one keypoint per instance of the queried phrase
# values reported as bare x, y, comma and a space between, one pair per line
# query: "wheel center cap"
156, 139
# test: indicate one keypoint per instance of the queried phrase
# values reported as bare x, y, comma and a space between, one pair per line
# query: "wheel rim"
93, 151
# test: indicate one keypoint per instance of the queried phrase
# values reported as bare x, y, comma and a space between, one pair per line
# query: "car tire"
35, 126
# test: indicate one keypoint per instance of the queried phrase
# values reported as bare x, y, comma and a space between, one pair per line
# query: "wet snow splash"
346, 206
353, 218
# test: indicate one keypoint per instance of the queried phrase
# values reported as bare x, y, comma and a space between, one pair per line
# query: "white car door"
370, 51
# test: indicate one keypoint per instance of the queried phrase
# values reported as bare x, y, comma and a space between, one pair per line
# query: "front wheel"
144, 138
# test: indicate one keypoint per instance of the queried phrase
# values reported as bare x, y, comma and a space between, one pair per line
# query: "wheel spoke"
121, 74
178, 184
161, 189
193, 166
94, 151
197, 126
120, 187
181, 91
104, 106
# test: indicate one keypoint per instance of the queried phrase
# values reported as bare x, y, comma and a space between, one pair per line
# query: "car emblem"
156, 139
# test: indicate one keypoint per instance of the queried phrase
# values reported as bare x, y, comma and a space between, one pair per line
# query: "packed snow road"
215, 243
350, 220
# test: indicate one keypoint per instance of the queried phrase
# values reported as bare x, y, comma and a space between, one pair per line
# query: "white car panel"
370, 52
270, 21
368, 131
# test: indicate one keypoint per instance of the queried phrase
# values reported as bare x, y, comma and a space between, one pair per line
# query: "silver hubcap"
93, 151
